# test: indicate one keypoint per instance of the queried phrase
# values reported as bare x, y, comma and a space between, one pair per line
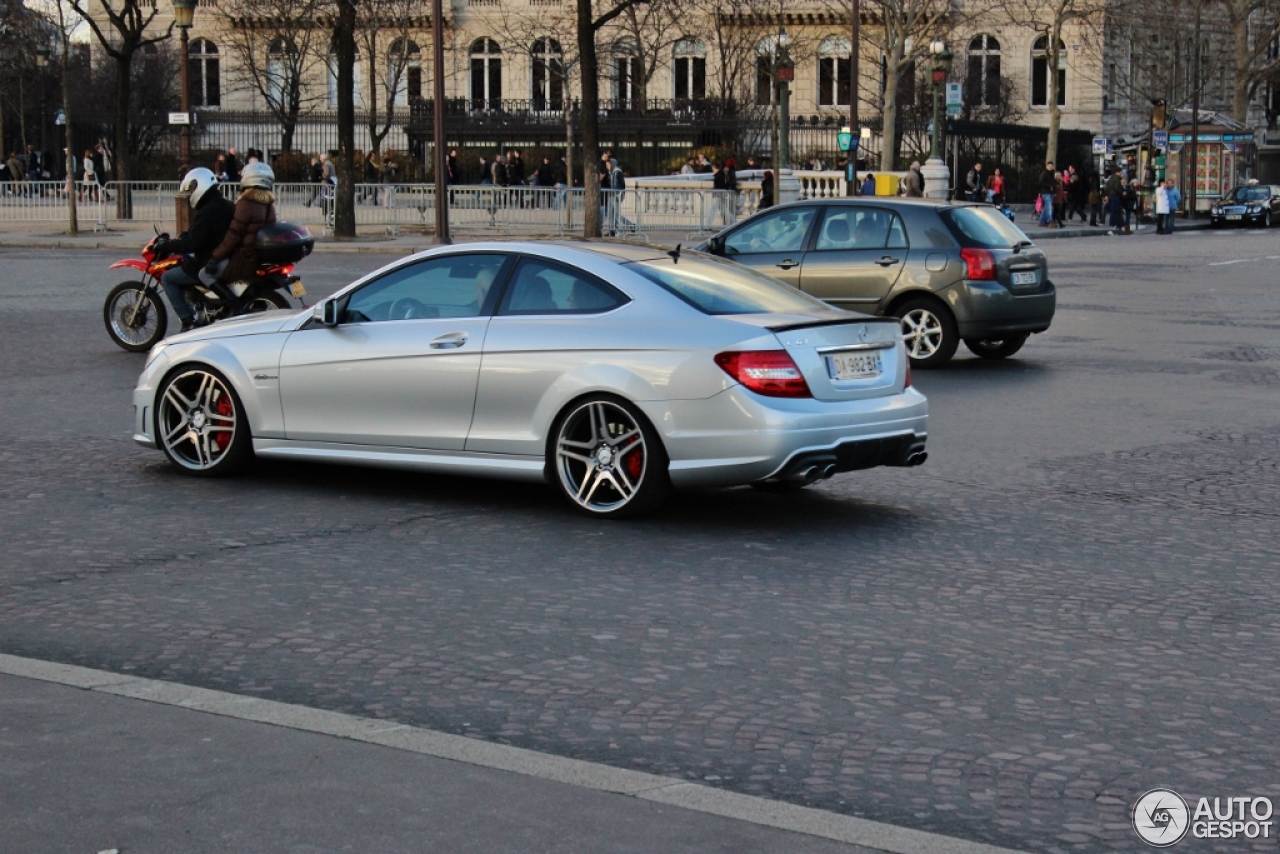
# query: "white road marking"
1235, 261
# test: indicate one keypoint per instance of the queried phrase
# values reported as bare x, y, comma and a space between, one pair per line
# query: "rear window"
714, 286
983, 227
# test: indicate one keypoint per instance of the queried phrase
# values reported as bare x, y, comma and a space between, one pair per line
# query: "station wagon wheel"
996, 348
1266, 220
201, 424
930, 332
608, 460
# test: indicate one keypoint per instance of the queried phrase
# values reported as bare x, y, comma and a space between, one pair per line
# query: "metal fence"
389, 208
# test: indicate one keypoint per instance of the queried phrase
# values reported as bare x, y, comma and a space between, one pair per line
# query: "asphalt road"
1073, 602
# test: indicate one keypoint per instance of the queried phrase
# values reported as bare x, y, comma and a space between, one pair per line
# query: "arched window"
1040, 72
764, 70
332, 66
547, 84
486, 75
202, 74
404, 66
982, 76
690, 70
833, 72
627, 72
282, 57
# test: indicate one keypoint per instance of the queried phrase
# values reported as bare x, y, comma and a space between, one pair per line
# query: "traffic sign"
955, 109
1160, 138
179, 118
954, 95
1100, 145
851, 171
844, 140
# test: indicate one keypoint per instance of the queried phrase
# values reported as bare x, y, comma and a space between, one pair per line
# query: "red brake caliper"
634, 461
226, 410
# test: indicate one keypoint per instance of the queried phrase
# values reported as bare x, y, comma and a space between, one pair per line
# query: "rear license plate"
297, 289
854, 366
1024, 278
1235, 216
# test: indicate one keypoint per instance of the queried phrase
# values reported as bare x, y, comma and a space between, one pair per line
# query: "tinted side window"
448, 286
860, 228
539, 287
779, 231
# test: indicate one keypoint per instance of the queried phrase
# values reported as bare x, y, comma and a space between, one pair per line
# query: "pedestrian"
233, 165
498, 175
546, 179
1095, 204
220, 168
688, 167
452, 168
1048, 185
1114, 206
314, 174
1175, 202
91, 185
515, 169
1060, 199
561, 179
751, 164
486, 173
1129, 197
766, 190
913, 181
16, 174
705, 166
973, 184
1162, 206
372, 175
995, 188
101, 163
868, 185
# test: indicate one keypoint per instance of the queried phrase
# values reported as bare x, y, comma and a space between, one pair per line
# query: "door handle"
887, 261
449, 342
786, 264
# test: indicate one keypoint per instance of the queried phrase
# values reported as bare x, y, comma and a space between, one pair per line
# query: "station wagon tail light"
772, 373
979, 263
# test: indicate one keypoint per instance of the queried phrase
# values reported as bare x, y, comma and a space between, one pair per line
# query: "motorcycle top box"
283, 243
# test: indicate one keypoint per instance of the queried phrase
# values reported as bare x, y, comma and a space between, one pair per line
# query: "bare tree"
1254, 26
344, 50
387, 27
123, 35
642, 38
735, 29
276, 47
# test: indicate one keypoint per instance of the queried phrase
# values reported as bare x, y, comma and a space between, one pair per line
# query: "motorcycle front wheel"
135, 316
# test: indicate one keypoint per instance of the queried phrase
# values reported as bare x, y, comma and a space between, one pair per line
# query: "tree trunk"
120, 156
345, 48
1240, 93
590, 120
889, 134
22, 116
73, 221
1054, 58
286, 134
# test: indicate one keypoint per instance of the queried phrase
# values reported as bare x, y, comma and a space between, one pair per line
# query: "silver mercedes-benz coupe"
615, 372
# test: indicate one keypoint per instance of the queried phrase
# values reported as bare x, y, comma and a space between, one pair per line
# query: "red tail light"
772, 373
907, 384
981, 264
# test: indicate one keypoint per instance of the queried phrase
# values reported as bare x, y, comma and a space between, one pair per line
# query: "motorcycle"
135, 313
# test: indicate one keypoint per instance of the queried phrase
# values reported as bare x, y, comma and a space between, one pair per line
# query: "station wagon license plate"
297, 289
1024, 278
854, 366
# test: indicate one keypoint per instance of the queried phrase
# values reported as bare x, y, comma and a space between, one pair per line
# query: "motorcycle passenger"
235, 258
212, 215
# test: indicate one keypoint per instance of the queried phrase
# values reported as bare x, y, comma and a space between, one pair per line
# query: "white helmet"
197, 182
257, 174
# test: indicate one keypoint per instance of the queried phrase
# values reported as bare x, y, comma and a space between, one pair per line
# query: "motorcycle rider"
235, 257
211, 218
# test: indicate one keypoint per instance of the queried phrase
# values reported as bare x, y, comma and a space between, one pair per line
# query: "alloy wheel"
602, 458
923, 333
197, 420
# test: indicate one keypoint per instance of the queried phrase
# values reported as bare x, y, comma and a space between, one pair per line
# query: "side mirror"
325, 312
715, 245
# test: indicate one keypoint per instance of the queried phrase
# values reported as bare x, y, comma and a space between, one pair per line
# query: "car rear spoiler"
787, 327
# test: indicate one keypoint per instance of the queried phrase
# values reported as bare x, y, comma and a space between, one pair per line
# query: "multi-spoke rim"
923, 332
197, 420
601, 456
134, 316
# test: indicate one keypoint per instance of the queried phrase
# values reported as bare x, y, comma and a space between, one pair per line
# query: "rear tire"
996, 348
606, 459
930, 330
266, 301
135, 316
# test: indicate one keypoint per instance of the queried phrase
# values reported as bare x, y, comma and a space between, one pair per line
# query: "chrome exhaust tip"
811, 474
828, 470
918, 458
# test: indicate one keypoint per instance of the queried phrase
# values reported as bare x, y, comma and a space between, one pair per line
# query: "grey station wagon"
949, 271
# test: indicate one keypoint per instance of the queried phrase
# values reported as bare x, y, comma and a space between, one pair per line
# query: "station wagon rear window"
984, 228
719, 287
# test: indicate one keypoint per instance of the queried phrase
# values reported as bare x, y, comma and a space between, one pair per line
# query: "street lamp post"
784, 73
184, 13
42, 62
937, 177
437, 94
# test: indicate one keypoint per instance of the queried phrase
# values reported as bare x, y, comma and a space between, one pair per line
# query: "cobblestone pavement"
1073, 602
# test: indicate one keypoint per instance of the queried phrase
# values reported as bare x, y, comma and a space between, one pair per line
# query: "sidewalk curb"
597, 777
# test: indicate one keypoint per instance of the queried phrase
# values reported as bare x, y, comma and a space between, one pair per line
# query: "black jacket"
1048, 182
209, 225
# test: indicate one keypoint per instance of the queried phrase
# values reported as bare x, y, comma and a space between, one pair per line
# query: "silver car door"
857, 256
772, 243
553, 319
400, 368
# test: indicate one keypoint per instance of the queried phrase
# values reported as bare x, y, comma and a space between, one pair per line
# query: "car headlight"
1214, 211
154, 352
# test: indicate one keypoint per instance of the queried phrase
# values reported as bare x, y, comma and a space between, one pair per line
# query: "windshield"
714, 286
1249, 194
984, 227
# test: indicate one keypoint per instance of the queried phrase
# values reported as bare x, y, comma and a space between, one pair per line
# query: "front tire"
135, 316
201, 425
930, 331
607, 460
995, 348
